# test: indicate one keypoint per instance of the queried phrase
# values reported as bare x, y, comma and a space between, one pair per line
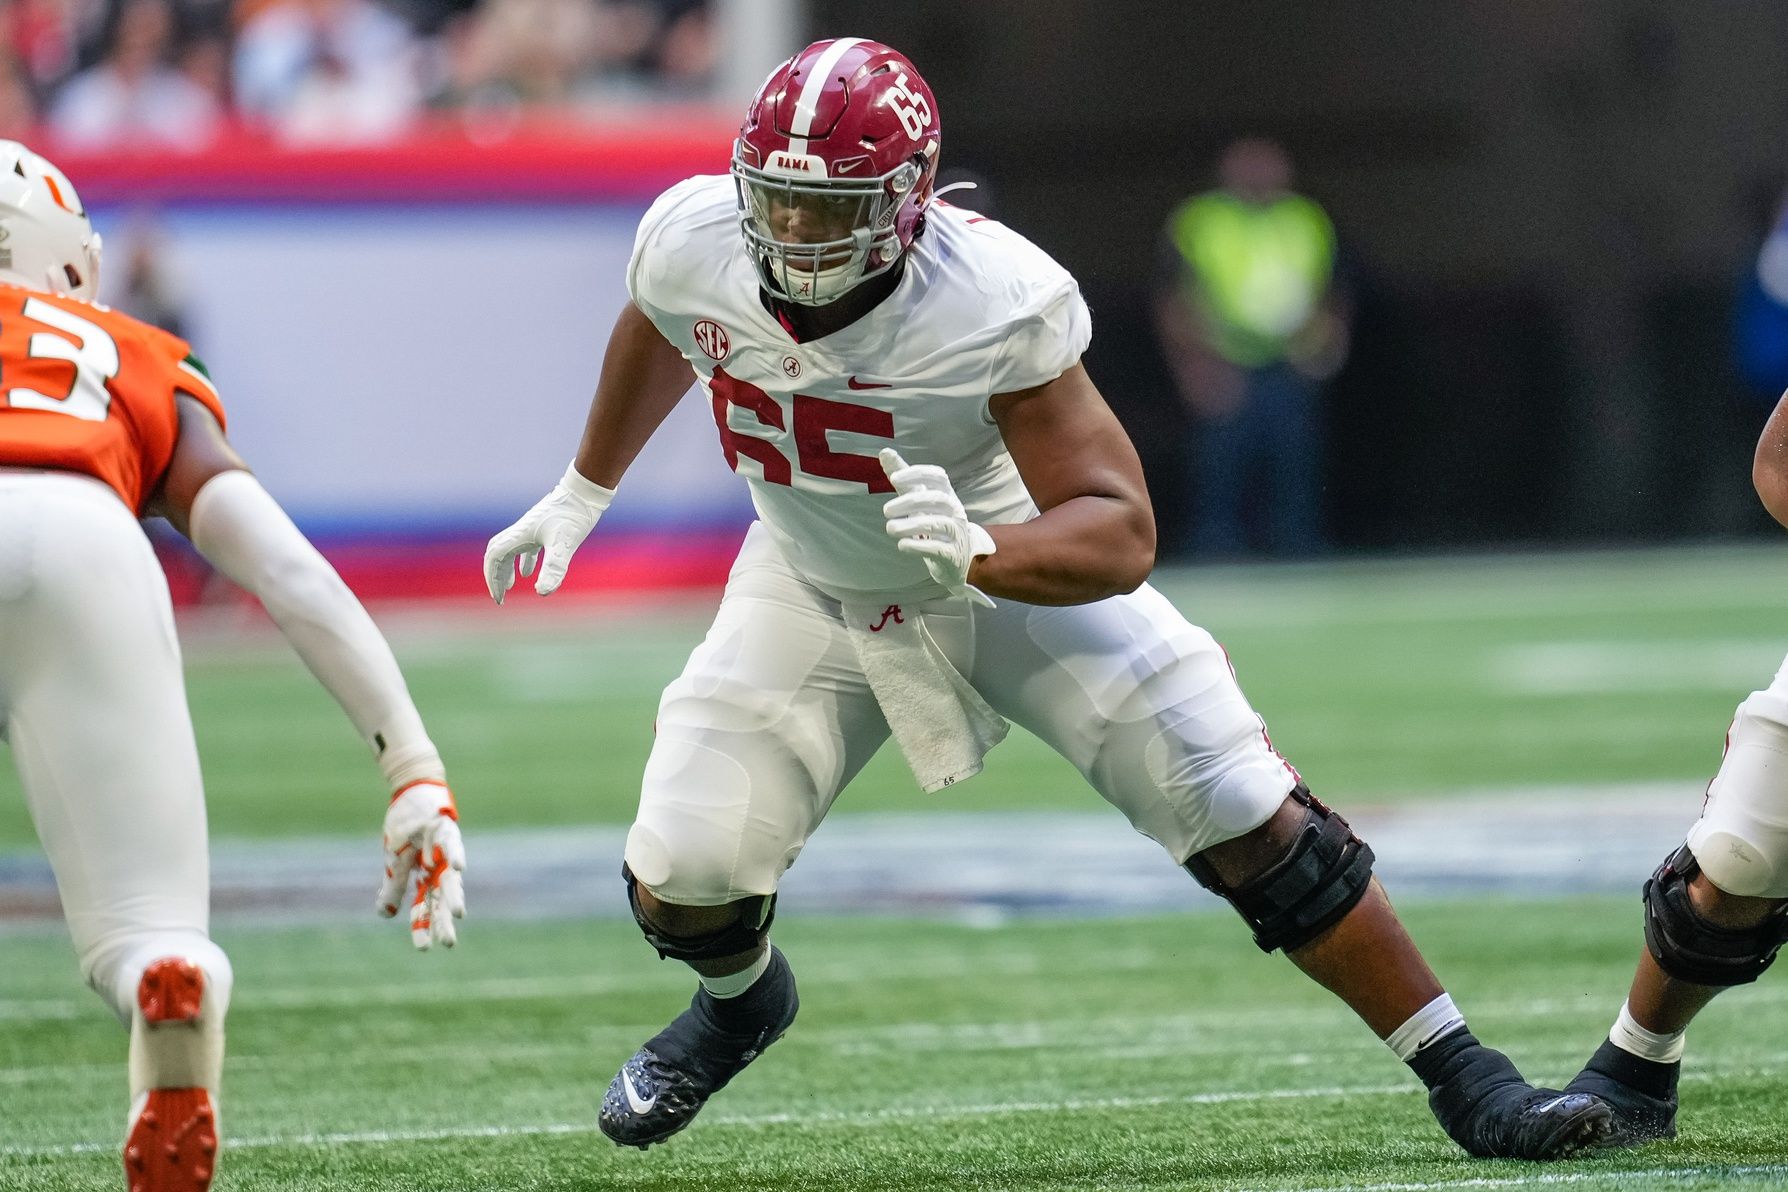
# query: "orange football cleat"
172, 1145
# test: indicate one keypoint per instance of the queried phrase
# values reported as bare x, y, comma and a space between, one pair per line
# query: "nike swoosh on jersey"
856, 384
634, 1100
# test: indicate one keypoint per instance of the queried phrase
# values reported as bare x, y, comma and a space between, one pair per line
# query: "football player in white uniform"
1716, 910
953, 532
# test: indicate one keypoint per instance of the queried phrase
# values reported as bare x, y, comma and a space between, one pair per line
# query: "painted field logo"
710, 337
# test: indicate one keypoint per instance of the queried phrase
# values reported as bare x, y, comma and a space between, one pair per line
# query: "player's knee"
114, 966
1738, 861
699, 933
706, 834
1294, 877
690, 861
1703, 939
1741, 840
1187, 784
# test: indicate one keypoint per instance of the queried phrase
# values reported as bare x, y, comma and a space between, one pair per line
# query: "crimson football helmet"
834, 168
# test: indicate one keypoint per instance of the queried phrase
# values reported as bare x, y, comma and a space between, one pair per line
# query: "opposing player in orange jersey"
102, 420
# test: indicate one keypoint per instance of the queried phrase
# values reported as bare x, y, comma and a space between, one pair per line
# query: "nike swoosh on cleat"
856, 384
634, 1100
1549, 1106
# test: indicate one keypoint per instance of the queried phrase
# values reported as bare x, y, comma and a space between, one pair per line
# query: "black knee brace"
743, 934
1323, 875
1688, 947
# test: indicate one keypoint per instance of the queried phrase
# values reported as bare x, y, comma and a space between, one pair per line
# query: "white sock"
736, 983
1630, 1037
1424, 1026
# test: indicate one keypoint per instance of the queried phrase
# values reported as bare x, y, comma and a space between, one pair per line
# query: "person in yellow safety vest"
1252, 324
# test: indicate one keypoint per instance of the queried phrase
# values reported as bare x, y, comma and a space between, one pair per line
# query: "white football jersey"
979, 310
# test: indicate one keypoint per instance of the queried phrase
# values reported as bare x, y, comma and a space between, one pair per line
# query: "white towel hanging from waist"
941, 723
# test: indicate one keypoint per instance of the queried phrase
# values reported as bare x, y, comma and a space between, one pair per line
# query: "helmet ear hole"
74, 277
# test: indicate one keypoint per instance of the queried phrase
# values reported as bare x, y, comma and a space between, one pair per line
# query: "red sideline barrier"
629, 563
540, 160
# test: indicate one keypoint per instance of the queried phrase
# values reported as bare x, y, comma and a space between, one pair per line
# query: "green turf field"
1157, 1053
1379, 680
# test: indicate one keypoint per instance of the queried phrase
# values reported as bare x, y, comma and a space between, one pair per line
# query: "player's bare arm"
643, 376
1096, 536
1769, 468
209, 495
200, 453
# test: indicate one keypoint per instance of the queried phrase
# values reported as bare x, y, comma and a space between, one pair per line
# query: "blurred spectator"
133, 96
205, 61
144, 287
1251, 324
46, 36
167, 74
572, 52
687, 55
328, 70
18, 106
524, 51
1762, 331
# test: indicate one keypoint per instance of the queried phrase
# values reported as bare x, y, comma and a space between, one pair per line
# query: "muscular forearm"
643, 378
1082, 550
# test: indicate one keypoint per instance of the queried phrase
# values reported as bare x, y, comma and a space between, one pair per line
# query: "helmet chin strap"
786, 277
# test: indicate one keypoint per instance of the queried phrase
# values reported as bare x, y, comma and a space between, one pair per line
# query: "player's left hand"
422, 837
927, 518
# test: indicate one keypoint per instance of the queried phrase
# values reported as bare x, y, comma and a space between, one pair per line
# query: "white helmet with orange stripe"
46, 240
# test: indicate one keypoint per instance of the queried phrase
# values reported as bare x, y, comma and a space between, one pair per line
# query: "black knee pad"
1323, 875
743, 934
1688, 947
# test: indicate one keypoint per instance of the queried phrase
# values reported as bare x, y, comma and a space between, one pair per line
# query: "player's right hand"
422, 840
548, 534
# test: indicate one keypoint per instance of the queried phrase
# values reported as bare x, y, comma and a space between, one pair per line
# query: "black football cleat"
661, 1089
1485, 1106
1641, 1092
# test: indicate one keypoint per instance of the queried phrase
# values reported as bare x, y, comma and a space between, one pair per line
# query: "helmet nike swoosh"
634, 1101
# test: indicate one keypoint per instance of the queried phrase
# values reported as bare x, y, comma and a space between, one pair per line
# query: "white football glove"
422, 837
928, 519
548, 533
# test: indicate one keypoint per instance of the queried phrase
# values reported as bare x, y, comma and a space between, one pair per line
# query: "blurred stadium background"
396, 231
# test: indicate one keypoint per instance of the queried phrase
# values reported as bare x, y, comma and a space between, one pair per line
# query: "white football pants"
93, 703
1741, 839
772, 717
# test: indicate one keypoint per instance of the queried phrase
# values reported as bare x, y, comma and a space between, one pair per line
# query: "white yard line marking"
900, 1114
1602, 667
873, 1117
